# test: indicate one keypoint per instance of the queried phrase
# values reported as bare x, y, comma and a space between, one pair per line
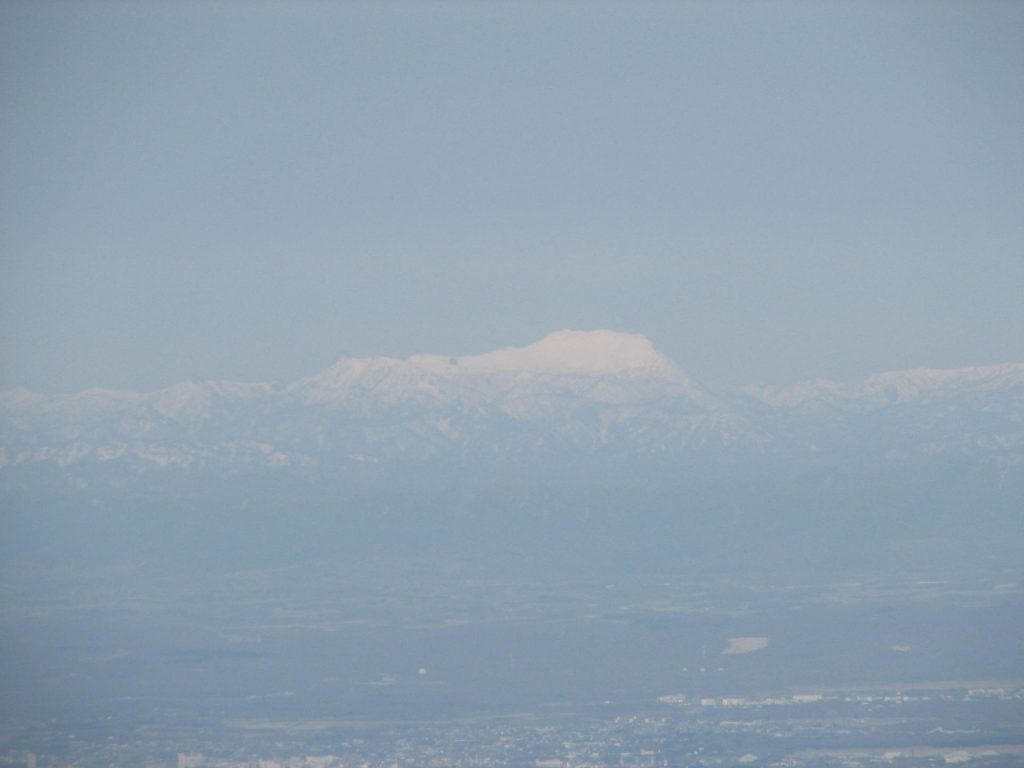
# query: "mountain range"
597, 427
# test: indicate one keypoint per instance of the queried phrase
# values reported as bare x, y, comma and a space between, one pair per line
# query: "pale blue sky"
768, 191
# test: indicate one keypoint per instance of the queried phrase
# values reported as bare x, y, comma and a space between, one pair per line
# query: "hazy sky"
768, 191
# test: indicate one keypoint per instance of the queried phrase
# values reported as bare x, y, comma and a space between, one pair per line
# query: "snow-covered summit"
562, 353
568, 352
602, 365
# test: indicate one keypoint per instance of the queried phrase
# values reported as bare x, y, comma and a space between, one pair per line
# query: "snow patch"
738, 645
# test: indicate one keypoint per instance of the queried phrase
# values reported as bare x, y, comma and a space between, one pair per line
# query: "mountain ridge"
616, 457
585, 389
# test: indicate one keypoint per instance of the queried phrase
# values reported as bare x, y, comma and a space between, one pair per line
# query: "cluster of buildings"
860, 697
942, 726
199, 760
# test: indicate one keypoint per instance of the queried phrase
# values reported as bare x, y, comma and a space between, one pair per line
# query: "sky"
768, 191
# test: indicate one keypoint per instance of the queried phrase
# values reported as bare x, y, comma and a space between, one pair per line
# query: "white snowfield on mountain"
596, 366
567, 352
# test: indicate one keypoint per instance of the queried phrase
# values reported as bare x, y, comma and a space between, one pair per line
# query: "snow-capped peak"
583, 355
570, 352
